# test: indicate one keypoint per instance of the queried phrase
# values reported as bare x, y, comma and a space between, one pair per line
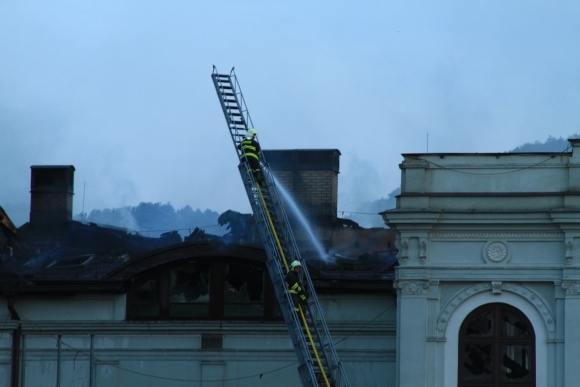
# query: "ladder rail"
240, 97
317, 320
314, 308
275, 258
235, 101
307, 328
302, 323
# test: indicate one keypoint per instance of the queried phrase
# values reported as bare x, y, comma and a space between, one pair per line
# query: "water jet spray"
301, 218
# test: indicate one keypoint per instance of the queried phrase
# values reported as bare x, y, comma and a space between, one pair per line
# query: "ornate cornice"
412, 288
496, 235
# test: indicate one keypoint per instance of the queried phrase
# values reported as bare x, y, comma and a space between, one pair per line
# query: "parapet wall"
495, 181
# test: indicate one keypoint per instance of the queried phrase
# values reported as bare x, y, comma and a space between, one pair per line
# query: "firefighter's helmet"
252, 132
295, 264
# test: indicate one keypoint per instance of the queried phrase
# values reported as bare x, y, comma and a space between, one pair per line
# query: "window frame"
497, 341
216, 288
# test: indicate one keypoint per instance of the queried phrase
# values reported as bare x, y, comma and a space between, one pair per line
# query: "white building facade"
182, 316
489, 277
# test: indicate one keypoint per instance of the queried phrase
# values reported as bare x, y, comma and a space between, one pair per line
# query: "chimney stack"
311, 177
51, 191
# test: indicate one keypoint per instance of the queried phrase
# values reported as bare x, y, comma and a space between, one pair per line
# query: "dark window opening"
204, 289
145, 298
189, 290
496, 348
244, 290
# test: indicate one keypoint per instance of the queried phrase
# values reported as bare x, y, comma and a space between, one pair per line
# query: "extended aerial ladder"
318, 363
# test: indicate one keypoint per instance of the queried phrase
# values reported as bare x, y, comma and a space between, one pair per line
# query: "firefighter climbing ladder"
318, 363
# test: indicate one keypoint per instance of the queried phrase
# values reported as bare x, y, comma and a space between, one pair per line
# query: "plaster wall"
73, 308
95, 337
474, 229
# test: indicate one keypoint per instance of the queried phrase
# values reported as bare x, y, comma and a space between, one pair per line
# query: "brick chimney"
311, 177
51, 191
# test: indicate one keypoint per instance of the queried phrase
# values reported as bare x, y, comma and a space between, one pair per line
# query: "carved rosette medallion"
412, 288
496, 252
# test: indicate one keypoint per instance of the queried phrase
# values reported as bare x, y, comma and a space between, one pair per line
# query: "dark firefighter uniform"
251, 153
295, 289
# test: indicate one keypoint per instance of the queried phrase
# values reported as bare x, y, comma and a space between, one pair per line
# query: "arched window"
496, 348
214, 288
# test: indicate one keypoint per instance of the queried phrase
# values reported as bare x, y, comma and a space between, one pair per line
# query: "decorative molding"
572, 288
414, 163
569, 251
423, 250
496, 235
432, 313
404, 253
497, 287
496, 252
412, 288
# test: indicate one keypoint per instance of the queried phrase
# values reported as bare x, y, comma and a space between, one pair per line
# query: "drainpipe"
92, 363
16, 338
58, 358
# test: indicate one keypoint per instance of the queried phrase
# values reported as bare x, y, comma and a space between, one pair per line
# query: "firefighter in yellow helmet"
295, 287
251, 153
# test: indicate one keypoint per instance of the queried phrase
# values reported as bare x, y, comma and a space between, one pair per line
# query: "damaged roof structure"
56, 270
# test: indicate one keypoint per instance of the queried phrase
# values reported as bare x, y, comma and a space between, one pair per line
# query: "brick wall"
51, 191
49, 207
316, 192
311, 177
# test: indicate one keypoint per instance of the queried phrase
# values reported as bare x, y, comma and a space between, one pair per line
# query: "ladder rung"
309, 335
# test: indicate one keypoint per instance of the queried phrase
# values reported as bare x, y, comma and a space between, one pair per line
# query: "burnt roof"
185, 250
73, 257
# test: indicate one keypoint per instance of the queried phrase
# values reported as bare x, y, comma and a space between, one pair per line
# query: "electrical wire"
180, 229
170, 229
489, 174
259, 375
379, 315
361, 213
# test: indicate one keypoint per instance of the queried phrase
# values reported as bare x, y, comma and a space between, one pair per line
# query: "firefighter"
295, 288
251, 153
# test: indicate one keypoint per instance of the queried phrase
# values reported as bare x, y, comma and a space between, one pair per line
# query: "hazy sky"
122, 89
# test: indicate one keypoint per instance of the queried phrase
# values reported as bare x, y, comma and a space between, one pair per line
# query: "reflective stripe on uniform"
295, 289
249, 149
251, 155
